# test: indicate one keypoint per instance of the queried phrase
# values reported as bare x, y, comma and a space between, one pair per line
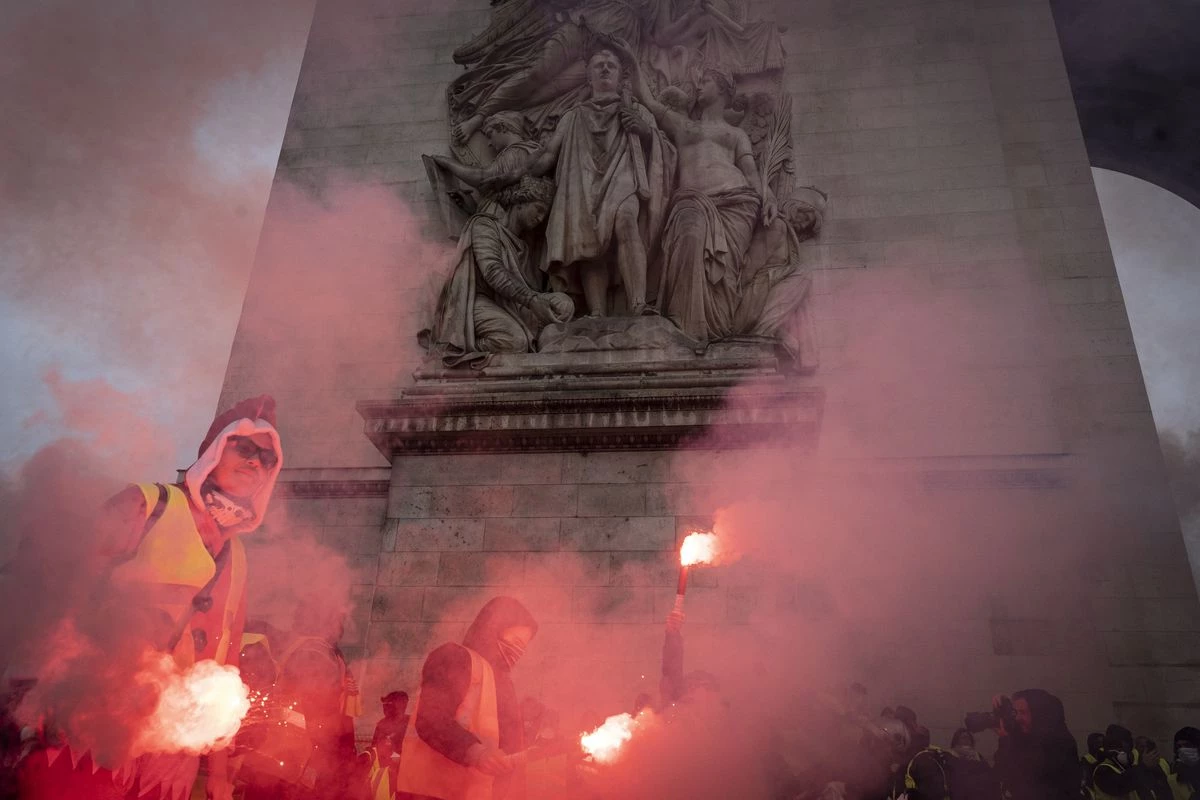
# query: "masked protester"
1185, 772
177, 549
467, 736
1038, 759
1117, 777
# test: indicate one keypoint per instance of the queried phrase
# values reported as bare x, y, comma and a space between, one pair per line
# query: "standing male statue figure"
614, 169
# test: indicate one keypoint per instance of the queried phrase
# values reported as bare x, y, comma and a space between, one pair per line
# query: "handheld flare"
699, 547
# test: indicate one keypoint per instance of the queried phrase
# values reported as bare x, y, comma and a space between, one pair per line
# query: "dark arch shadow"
1135, 74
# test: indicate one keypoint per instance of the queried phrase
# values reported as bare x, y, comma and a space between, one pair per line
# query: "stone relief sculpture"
613, 170
489, 304
674, 215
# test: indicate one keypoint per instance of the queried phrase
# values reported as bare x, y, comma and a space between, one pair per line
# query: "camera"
978, 721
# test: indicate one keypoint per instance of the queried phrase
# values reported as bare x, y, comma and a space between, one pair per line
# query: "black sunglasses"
248, 450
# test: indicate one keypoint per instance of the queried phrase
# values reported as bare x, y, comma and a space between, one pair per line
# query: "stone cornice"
331, 488
633, 417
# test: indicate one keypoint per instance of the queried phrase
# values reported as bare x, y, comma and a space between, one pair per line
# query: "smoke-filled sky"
136, 157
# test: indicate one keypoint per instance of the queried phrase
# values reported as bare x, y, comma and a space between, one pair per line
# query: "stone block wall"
972, 333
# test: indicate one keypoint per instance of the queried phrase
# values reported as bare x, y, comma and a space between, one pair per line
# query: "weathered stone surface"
408, 569
522, 533
615, 333
618, 533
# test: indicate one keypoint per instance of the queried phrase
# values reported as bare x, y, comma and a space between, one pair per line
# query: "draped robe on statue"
704, 248
483, 307
600, 166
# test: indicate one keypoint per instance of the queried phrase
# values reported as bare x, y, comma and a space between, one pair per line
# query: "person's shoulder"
130, 500
448, 652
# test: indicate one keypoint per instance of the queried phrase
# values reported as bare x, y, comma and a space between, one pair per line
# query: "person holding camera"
1037, 758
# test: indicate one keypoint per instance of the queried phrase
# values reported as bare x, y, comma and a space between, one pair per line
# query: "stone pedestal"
599, 400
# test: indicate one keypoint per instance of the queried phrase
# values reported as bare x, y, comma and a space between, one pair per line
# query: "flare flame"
199, 709
604, 744
699, 548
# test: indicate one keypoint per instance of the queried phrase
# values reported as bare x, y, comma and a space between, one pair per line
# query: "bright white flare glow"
604, 744
699, 548
199, 709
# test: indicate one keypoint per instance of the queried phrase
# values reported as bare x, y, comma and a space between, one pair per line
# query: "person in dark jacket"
450, 681
971, 777
1185, 772
1156, 769
1093, 756
1117, 776
1038, 759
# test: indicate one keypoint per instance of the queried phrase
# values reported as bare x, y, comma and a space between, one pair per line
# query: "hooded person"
1119, 775
1038, 758
174, 555
467, 724
1185, 772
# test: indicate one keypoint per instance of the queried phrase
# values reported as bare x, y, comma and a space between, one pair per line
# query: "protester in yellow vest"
466, 739
1117, 777
177, 549
1156, 772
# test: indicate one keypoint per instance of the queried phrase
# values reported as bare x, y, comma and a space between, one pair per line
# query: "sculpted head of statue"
527, 201
605, 72
505, 128
715, 86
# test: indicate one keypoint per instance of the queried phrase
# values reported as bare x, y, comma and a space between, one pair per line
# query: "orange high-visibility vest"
425, 771
171, 566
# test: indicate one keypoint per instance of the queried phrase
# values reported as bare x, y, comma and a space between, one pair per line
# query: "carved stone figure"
713, 212
514, 150
490, 303
532, 72
613, 171
776, 284
720, 36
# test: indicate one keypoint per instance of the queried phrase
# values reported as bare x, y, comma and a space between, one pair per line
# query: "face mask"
226, 511
511, 653
1189, 755
1123, 759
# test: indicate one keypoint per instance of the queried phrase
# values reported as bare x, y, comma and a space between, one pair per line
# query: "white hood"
198, 472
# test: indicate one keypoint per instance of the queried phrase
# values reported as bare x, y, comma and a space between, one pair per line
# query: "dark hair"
1188, 734
394, 697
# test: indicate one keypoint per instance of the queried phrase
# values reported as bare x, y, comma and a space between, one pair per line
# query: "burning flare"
604, 744
199, 709
699, 548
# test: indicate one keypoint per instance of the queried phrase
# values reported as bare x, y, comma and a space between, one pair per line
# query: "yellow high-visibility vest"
425, 771
171, 566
